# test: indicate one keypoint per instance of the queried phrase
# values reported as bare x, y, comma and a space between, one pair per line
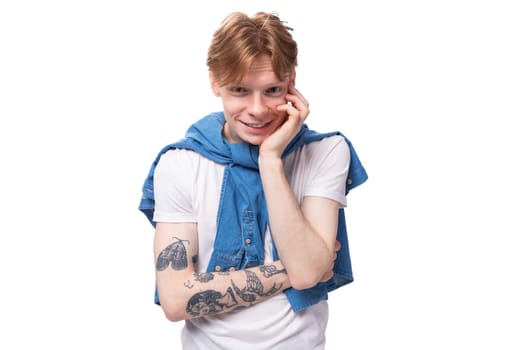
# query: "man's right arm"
185, 293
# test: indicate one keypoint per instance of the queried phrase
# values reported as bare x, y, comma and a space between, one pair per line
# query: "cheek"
232, 104
282, 117
275, 103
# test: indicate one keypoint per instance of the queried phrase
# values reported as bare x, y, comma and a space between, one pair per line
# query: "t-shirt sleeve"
328, 163
173, 185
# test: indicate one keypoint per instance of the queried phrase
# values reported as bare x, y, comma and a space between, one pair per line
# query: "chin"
254, 141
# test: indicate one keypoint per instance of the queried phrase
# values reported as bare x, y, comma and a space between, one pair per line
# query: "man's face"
250, 106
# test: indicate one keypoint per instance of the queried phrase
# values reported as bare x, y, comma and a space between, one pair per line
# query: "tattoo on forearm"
270, 270
203, 277
254, 288
210, 302
188, 284
176, 254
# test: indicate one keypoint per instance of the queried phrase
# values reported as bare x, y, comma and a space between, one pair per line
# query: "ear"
214, 85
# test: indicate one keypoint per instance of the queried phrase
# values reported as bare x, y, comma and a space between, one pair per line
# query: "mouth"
256, 125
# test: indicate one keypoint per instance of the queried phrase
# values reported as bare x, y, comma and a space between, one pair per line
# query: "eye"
238, 90
274, 91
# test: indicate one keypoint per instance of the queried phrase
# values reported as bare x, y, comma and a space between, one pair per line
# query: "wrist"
270, 165
269, 160
283, 276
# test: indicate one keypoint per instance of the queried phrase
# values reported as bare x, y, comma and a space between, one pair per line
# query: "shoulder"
331, 142
328, 154
179, 155
185, 162
334, 146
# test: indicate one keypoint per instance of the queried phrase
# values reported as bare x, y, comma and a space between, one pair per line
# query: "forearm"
305, 253
193, 295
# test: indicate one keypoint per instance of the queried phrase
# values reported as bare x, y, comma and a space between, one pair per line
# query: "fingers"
298, 102
337, 248
297, 106
327, 276
330, 273
297, 96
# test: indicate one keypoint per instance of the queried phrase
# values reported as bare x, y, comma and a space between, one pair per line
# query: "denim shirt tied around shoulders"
242, 216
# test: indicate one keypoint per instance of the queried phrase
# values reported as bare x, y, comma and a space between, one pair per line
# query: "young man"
248, 207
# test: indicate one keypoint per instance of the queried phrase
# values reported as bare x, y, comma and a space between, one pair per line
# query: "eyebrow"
271, 84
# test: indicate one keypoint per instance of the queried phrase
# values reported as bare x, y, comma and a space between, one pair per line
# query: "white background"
431, 93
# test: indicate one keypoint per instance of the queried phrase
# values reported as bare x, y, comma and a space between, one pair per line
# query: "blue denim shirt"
242, 216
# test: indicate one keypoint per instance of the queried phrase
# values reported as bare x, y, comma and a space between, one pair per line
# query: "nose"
257, 106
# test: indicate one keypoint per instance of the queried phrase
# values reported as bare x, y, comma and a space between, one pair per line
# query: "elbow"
303, 281
173, 301
173, 316
306, 278
173, 311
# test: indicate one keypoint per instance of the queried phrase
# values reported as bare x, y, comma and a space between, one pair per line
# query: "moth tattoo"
176, 254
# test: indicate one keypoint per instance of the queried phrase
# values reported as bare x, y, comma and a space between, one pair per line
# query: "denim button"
248, 241
232, 269
349, 181
217, 268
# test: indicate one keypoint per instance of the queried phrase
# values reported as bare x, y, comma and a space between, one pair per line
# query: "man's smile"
256, 125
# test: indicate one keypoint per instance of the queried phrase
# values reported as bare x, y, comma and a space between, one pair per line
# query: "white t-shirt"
187, 189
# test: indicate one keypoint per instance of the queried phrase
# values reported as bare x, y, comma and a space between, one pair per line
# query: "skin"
264, 111
184, 293
254, 109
